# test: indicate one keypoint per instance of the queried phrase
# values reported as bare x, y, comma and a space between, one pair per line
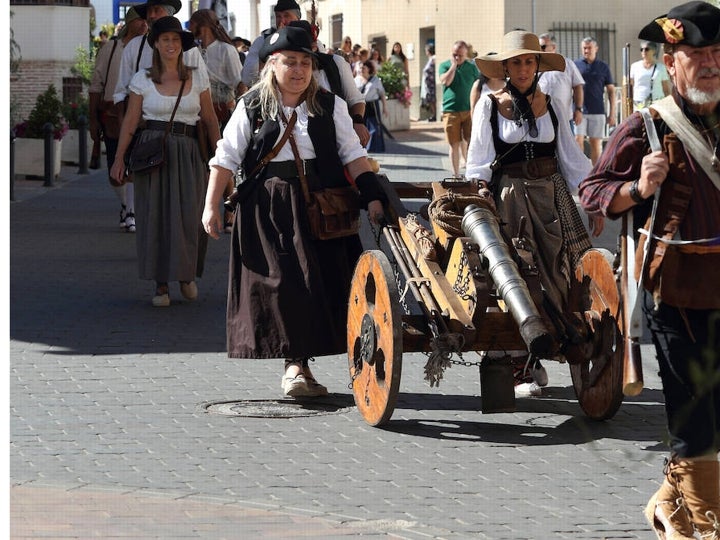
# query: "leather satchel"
333, 212
149, 156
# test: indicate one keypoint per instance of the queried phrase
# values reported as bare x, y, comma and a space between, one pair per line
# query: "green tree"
84, 64
48, 108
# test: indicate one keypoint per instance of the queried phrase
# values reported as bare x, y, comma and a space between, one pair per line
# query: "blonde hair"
157, 69
268, 93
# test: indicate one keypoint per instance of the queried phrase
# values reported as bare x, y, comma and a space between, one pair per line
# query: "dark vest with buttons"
321, 129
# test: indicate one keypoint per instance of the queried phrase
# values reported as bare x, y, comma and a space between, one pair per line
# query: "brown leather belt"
532, 169
178, 128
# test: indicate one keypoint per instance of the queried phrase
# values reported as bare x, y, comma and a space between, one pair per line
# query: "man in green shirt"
457, 76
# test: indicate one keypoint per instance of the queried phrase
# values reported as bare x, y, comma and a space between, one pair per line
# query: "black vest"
321, 129
516, 153
328, 65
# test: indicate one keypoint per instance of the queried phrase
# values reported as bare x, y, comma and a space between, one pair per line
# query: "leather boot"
699, 484
666, 510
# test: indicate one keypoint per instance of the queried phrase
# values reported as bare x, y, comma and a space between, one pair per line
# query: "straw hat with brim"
515, 44
171, 24
142, 8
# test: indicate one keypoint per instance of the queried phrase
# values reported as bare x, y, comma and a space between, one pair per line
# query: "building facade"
48, 33
483, 23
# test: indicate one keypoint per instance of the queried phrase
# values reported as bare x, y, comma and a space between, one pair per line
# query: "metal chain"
462, 280
355, 376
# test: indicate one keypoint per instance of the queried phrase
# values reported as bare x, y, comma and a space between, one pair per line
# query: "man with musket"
672, 185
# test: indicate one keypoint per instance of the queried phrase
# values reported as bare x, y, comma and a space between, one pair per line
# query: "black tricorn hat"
142, 8
286, 5
696, 24
170, 24
289, 38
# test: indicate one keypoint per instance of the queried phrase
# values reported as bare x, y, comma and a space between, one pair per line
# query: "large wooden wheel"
598, 379
374, 337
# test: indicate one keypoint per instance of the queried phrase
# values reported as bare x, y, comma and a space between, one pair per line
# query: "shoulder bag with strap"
232, 201
108, 111
145, 158
333, 212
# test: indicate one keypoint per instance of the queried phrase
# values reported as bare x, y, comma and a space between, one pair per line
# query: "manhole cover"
279, 408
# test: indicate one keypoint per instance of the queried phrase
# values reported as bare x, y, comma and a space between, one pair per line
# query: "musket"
632, 325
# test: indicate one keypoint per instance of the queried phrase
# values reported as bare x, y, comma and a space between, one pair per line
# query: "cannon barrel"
481, 225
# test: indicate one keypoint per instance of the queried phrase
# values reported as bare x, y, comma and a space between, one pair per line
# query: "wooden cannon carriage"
475, 291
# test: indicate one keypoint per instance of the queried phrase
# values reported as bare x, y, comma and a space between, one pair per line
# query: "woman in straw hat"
522, 149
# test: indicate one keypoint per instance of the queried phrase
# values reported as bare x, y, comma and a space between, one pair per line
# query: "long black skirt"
287, 292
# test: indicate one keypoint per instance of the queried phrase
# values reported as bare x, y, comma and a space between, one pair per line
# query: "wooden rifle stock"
633, 382
632, 358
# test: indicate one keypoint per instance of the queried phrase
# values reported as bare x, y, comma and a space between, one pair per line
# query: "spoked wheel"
598, 379
374, 337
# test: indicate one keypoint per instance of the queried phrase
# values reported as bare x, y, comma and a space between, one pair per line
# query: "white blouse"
232, 147
159, 107
573, 164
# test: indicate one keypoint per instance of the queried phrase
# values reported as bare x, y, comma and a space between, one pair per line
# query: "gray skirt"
554, 230
171, 243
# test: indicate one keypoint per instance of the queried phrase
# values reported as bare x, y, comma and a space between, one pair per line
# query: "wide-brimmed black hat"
170, 24
289, 38
696, 24
517, 43
142, 8
286, 5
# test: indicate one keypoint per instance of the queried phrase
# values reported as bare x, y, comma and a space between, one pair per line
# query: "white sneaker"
295, 386
130, 222
161, 300
539, 374
524, 384
527, 389
123, 215
315, 389
189, 290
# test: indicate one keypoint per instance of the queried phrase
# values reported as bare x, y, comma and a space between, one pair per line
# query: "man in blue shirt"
597, 79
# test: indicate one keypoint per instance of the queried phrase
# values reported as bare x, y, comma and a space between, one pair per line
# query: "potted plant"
72, 111
30, 142
398, 96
